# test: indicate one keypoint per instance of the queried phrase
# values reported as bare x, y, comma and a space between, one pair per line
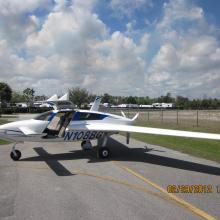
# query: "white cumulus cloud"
70, 45
187, 62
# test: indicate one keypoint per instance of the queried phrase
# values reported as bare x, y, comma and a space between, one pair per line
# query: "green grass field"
208, 149
3, 121
4, 142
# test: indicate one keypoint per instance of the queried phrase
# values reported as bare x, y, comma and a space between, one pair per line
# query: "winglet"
123, 114
135, 117
96, 103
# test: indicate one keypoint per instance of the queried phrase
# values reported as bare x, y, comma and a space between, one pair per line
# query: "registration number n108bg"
82, 135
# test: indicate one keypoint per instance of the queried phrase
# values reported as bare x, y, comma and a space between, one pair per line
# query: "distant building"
21, 105
146, 106
123, 106
163, 105
128, 106
38, 103
107, 105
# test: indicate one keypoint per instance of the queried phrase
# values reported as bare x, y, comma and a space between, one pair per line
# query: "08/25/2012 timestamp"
193, 188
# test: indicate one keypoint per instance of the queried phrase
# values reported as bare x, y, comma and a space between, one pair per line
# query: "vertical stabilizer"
96, 103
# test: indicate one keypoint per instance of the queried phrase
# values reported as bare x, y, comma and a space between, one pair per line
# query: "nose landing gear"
15, 154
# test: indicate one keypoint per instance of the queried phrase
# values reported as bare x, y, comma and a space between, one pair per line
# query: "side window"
94, 117
89, 116
84, 116
57, 121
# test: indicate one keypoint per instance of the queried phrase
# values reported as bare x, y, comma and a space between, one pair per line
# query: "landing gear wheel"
103, 152
86, 145
83, 143
17, 156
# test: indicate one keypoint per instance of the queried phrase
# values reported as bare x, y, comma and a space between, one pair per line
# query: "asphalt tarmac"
61, 181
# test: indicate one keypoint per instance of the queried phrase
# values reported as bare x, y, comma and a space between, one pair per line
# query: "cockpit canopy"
44, 116
49, 115
58, 120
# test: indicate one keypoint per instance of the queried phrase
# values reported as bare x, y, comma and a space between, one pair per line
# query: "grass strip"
204, 148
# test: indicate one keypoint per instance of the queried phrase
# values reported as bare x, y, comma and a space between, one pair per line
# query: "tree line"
80, 96
179, 101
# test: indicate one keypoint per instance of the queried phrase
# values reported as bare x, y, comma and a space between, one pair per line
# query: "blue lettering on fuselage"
68, 136
82, 135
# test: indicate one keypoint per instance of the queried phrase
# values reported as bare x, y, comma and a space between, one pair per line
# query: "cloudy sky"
122, 47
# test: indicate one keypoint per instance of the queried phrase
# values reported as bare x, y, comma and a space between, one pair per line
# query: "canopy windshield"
46, 116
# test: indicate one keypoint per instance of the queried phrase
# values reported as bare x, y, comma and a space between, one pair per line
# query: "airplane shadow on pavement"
119, 152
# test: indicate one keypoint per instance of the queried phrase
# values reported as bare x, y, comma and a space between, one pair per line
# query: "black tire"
17, 156
103, 152
84, 147
82, 143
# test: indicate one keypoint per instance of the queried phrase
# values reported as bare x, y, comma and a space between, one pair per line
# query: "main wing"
29, 132
107, 127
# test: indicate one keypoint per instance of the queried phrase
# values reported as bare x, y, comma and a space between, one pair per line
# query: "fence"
207, 119
12, 110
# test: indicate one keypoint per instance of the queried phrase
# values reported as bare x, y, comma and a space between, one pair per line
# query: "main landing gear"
103, 151
86, 145
15, 154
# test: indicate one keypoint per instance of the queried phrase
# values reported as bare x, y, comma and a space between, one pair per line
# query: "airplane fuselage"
47, 126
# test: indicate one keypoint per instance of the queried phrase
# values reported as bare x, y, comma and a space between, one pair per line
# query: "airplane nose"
4, 127
2, 130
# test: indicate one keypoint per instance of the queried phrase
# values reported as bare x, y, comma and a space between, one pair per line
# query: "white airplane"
69, 125
57, 103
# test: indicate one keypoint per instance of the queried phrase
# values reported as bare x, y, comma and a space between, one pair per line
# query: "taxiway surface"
60, 181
